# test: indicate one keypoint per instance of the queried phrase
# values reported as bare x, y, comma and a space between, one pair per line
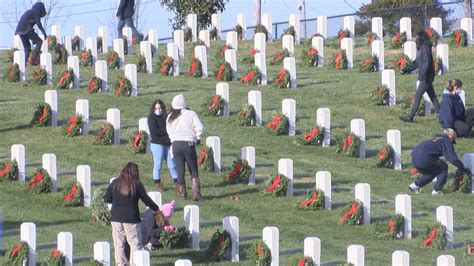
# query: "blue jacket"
31, 18
451, 109
427, 152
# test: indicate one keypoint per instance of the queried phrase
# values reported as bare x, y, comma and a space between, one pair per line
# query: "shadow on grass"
369, 137
20, 127
241, 192
161, 92
97, 117
66, 174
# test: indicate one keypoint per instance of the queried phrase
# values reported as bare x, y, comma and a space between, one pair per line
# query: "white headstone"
68, 45
192, 23
201, 54
102, 252
18, 154
377, 27
145, 50
288, 108
312, 249
28, 234
322, 25
362, 193
255, 99
248, 153
205, 38
44, 46
466, 25
49, 164
19, 58
356, 255
91, 44
445, 260
409, 49
318, 43
191, 222
56, 31
242, 21
285, 167
323, 119
442, 51
141, 257
173, 52
358, 128
405, 26
294, 20
267, 23
113, 117
51, 98
260, 43
400, 258
153, 38
323, 183
178, 37
79, 32
403, 207
437, 25
65, 245
271, 237
231, 40
231, 58
73, 63
289, 63
156, 197
127, 32
378, 50
101, 72
444, 215
394, 140
349, 24
288, 42
468, 160
182, 262
143, 126
17, 44
131, 74
347, 44
216, 22
231, 225
463, 97
82, 109
46, 64
222, 89
84, 178
118, 47
102, 33
261, 64
215, 144
388, 79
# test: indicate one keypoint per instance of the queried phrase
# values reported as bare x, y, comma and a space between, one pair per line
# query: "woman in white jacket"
185, 130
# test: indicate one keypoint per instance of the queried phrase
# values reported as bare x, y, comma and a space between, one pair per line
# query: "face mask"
158, 112
458, 91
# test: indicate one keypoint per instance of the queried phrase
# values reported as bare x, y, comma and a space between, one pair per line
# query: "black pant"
464, 128
185, 152
422, 88
25, 39
429, 171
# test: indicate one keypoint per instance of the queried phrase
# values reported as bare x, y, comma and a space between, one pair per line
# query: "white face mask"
458, 91
158, 112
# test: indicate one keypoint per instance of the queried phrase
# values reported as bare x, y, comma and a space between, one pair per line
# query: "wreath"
371, 36
340, 60
352, 213
240, 31
458, 38
462, 181
384, 158
106, 134
100, 211
140, 61
113, 59
206, 160
259, 28
9, 58
279, 124
438, 65
277, 185
125, 44
86, 58
122, 86
52, 42
399, 40
412, 173
99, 44
314, 137
18, 255
66, 79
317, 34
305, 261
73, 195
42, 115
12, 73
252, 77
220, 246
40, 76
240, 172
56, 258
370, 64
259, 253
224, 72
433, 35
435, 236
313, 200
402, 62
348, 144
188, 34
393, 229
139, 141
165, 65
278, 59
283, 80
224, 48
60, 56
195, 68
311, 57
93, 262
214, 106
341, 34
247, 116
177, 238
9, 170
75, 43
250, 57
213, 33
74, 127
381, 95
41, 182
289, 31
95, 85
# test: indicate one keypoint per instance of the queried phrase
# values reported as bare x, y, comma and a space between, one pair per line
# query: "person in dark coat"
125, 12
426, 74
27, 33
425, 158
452, 113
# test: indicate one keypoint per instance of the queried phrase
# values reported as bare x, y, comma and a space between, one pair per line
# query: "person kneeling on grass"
425, 158
154, 223
452, 113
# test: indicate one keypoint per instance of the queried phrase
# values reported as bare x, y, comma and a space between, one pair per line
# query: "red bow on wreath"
38, 178
247, 77
236, 170
310, 201
338, 59
16, 249
221, 241
457, 36
219, 74
72, 123
202, 157
390, 226
215, 101
280, 76
70, 196
259, 251
301, 262
431, 237
311, 135
347, 142
275, 184
136, 141
6, 170
349, 213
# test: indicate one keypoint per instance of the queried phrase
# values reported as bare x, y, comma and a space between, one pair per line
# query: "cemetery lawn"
346, 93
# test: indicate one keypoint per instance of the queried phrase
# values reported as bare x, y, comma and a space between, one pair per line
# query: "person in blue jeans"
125, 11
160, 143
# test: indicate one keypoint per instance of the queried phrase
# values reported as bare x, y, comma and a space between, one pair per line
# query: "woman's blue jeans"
161, 153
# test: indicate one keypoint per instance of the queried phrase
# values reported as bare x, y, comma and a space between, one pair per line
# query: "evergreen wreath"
60, 56
100, 49
12, 73
195, 68
407, 104
433, 35
259, 28
435, 236
371, 36
178, 238
458, 38
259, 253
240, 172
123, 86
398, 40
93, 262
106, 134
277, 185
341, 34
240, 31
52, 42
99, 210
224, 72
18, 255
393, 229
279, 125
56, 258
278, 59
42, 115
352, 213
370, 64
9, 57
188, 34
214, 106
140, 61
348, 144
462, 181
381, 95
66, 79
384, 158
340, 60
314, 137
41, 182
314, 200
412, 173
40, 76
139, 141
220, 246
74, 126
253, 76
9, 170
224, 48
95, 85
402, 62
86, 58
113, 59
250, 57
283, 80
247, 117
289, 31
213, 34
75, 43
165, 65
206, 160
311, 57
73, 195
305, 261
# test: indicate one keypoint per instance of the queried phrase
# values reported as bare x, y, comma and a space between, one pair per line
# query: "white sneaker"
414, 188
434, 192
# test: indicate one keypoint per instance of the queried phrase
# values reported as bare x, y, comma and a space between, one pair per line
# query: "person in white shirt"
185, 130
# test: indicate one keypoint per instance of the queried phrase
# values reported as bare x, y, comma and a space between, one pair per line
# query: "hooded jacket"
451, 109
31, 18
424, 63
126, 9
427, 152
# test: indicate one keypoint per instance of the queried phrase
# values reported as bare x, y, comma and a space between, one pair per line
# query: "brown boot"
159, 186
182, 190
196, 189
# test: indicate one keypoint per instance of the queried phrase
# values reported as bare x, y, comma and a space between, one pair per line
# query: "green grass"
346, 93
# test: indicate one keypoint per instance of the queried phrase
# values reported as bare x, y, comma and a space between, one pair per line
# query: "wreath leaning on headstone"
224, 72
352, 213
458, 38
95, 85
341, 34
41, 182
314, 137
259, 253
371, 36
139, 140
384, 158
122, 86
304, 261
247, 117
278, 59
66, 79
74, 126
99, 210
277, 185
206, 159
311, 57
220, 246
86, 58
140, 61
398, 40
462, 181
348, 144
9, 57
195, 68
252, 77
56, 258
12, 73
73, 195
240, 172
41, 115
435, 236
9, 170
40, 76
279, 124
113, 59
176, 238
340, 60
381, 95
214, 106
106, 134
165, 65
18, 255
370, 64
314, 200
393, 229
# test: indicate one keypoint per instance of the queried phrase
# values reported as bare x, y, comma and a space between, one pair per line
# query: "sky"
92, 14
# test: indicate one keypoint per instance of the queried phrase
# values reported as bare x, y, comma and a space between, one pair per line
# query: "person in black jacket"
26, 32
125, 11
426, 74
452, 113
123, 193
425, 158
160, 143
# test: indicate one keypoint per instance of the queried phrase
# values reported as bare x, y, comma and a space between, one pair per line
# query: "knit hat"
179, 102
168, 209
